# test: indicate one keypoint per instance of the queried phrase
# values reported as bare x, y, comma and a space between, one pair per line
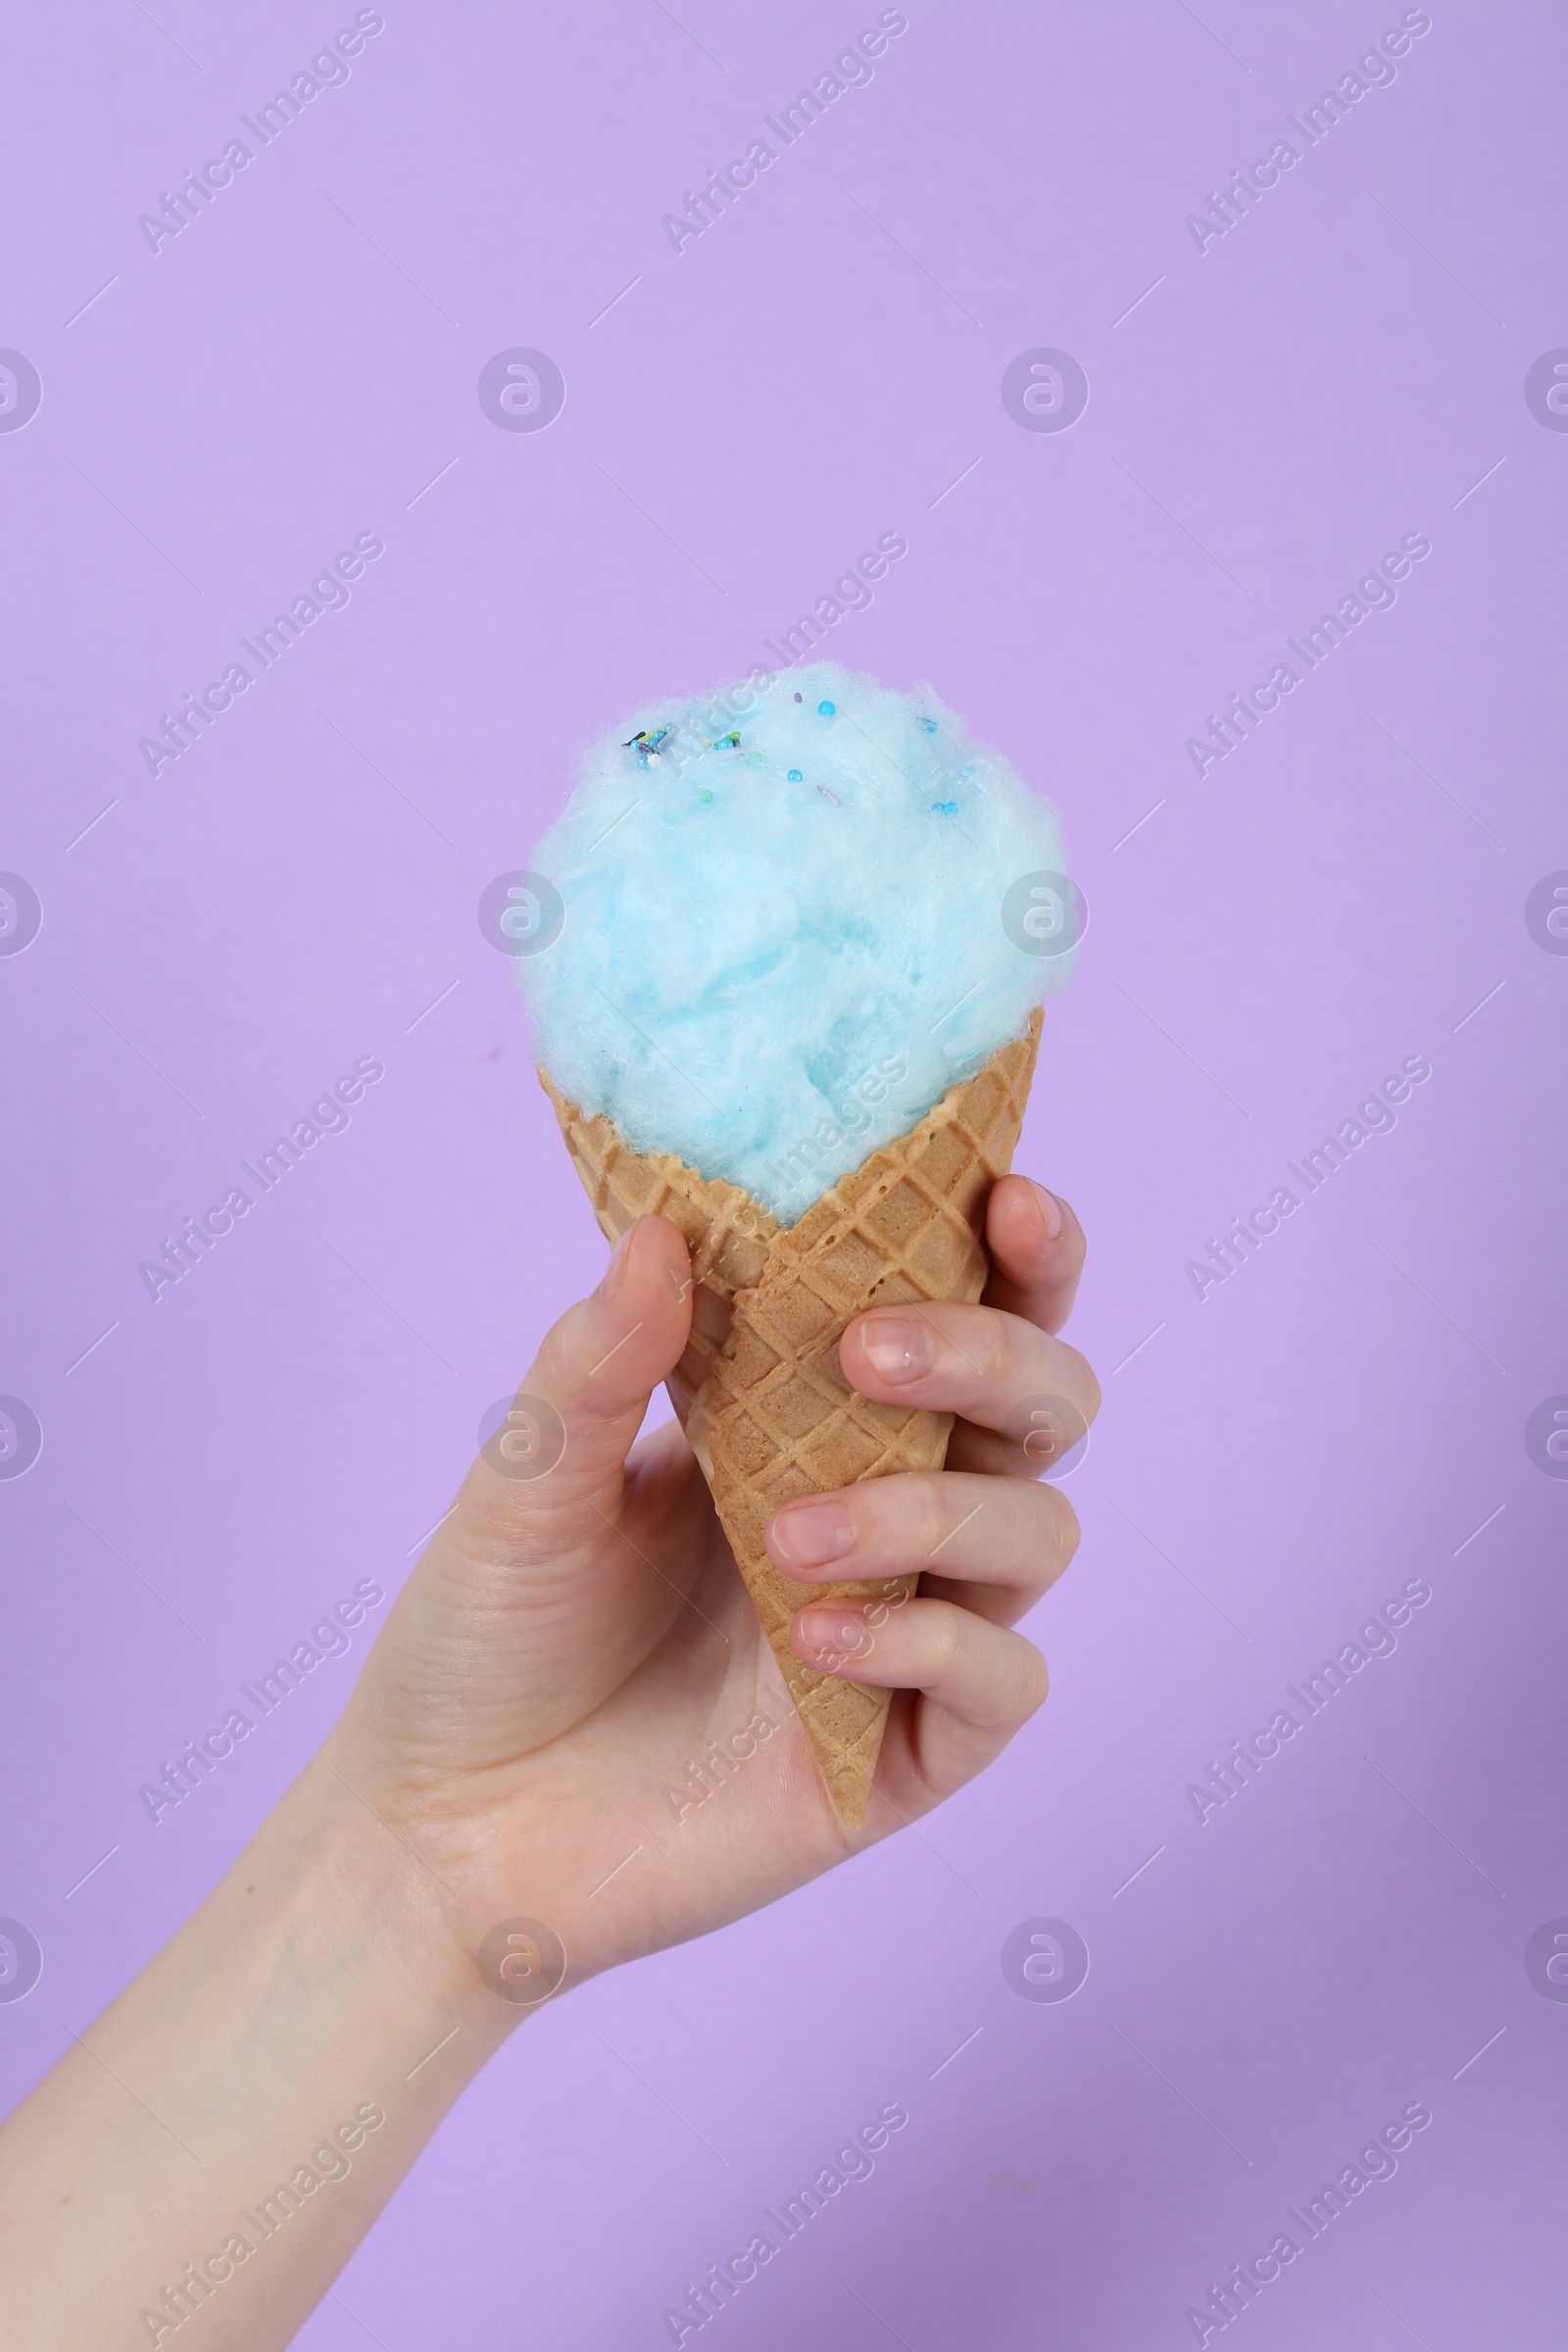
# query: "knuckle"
1070, 1532
1083, 1372
1034, 1680
984, 1347
1010, 1351
931, 1519
1061, 1530
946, 1635
1080, 1377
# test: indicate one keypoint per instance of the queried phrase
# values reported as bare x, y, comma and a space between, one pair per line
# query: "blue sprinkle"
645, 745
930, 725
825, 709
796, 777
944, 807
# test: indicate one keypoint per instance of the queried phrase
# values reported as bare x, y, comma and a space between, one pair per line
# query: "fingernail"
897, 1347
1050, 1211
831, 1633
617, 1267
809, 1534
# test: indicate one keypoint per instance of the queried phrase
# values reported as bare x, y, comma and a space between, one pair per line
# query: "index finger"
1037, 1252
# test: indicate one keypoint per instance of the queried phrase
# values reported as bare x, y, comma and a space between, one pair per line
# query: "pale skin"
565, 1649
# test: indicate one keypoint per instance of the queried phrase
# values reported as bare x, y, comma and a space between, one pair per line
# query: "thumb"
582, 1399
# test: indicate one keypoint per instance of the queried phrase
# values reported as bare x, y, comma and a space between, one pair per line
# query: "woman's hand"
573, 1715
570, 1745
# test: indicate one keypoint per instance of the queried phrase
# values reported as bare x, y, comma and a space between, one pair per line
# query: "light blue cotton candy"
770, 978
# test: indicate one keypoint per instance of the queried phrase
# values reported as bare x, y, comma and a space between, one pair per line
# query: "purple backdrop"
1353, 357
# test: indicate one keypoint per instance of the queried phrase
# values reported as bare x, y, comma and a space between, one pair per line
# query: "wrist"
388, 1908
497, 1872
266, 2083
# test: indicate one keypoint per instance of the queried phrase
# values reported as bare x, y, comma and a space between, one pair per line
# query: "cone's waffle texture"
773, 1416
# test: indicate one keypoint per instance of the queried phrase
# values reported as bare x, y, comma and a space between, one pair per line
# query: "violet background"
1344, 367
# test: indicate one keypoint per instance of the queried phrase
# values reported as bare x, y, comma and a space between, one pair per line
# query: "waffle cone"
773, 1416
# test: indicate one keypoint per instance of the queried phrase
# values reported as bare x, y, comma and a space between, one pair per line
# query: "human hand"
526, 1740
539, 1719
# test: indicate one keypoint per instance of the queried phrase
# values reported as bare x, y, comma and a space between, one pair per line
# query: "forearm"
214, 2131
